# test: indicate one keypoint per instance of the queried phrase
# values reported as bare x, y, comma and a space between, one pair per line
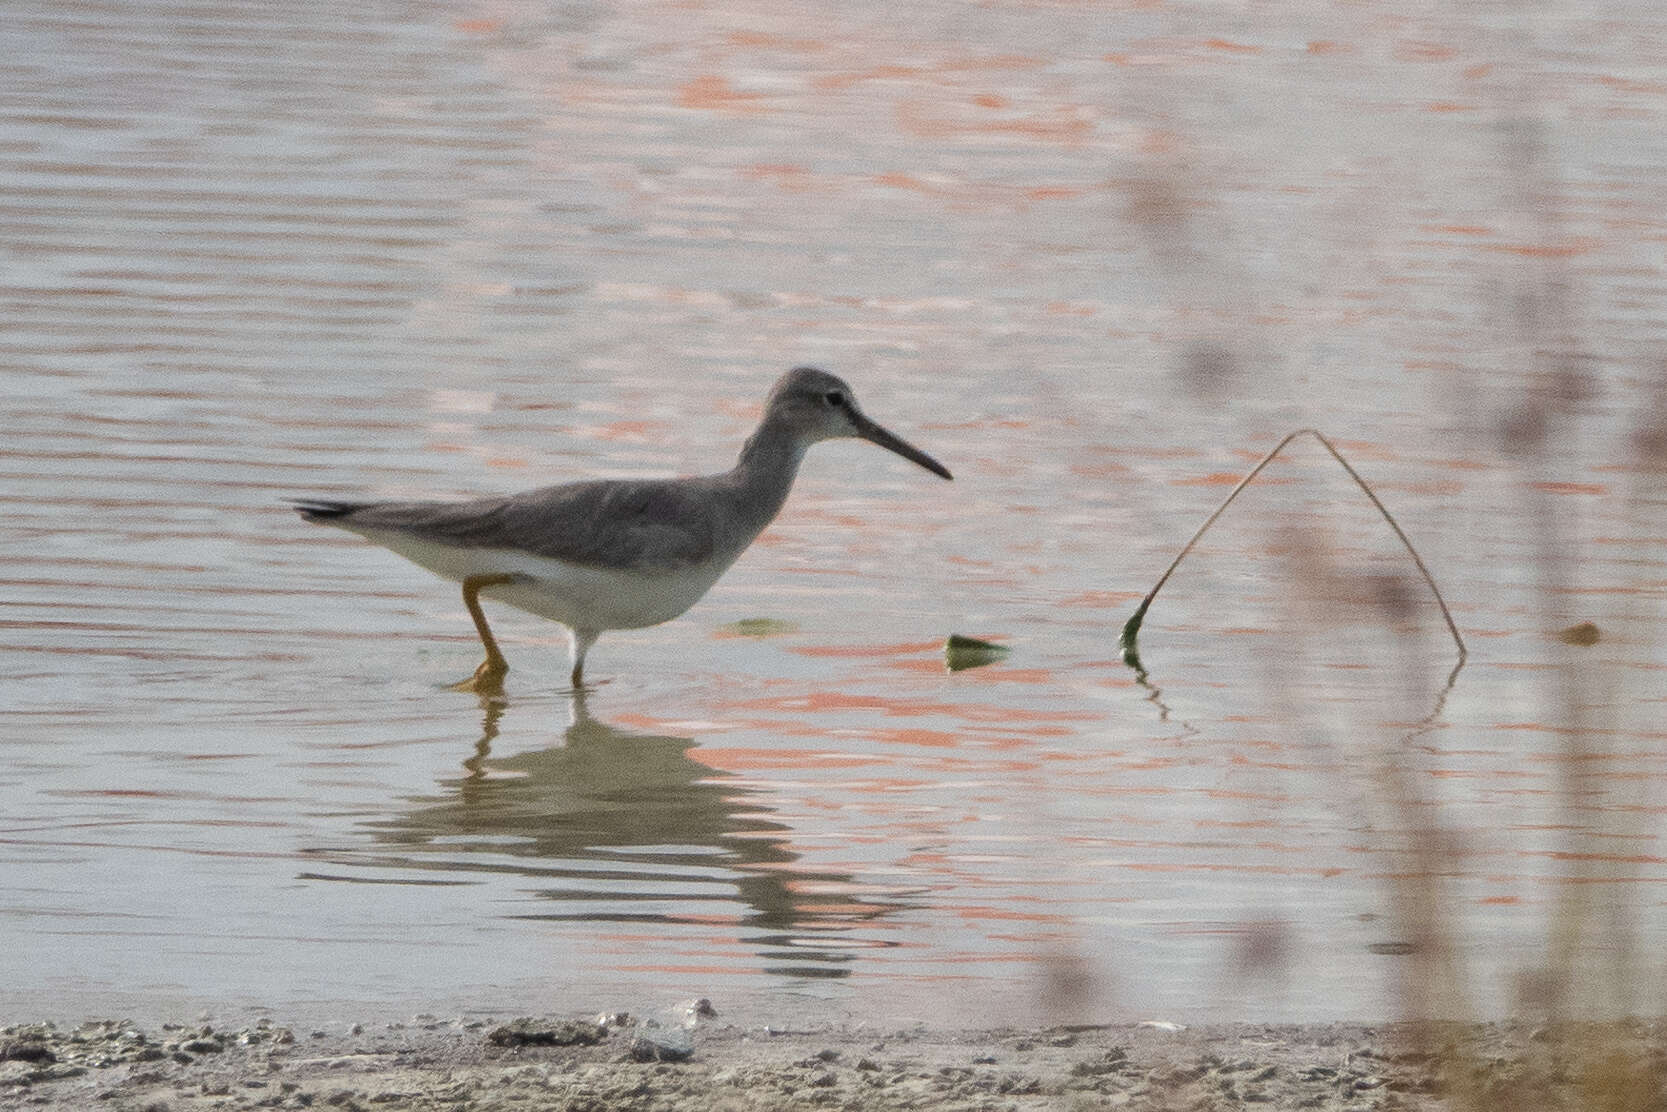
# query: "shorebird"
615, 553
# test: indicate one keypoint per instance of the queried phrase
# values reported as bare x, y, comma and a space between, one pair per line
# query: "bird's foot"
579, 685
487, 680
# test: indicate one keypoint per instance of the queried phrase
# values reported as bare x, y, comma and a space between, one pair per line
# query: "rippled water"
1096, 261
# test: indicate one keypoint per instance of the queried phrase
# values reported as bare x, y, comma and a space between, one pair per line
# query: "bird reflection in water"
619, 827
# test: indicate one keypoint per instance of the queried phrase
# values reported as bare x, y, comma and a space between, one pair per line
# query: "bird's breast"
595, 598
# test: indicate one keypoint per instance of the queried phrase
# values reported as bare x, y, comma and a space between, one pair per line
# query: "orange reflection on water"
1325, 871
1569, 488
1221, 478
904, 648
1102, 598
710, 91
763, 760
1067, 124
997, 914
1573, 248
1230, 47
791, 178
890, 707
1411, 51
895, 71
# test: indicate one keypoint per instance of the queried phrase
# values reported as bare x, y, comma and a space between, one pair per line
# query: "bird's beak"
873, 433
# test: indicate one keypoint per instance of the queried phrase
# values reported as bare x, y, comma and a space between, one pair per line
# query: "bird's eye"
834, 398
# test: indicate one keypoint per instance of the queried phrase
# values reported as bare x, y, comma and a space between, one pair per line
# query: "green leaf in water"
758, 627
1585, 635
961, 653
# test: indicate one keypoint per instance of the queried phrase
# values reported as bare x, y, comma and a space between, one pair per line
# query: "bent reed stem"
1131, 628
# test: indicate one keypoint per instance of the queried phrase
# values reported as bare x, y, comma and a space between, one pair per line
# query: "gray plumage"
616, 553
644, 523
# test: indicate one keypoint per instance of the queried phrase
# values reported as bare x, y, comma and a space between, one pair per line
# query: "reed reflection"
622, 827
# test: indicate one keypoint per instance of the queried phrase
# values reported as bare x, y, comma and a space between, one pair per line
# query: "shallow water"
1095, 261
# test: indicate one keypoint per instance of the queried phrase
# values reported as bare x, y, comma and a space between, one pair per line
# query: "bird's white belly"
578, 596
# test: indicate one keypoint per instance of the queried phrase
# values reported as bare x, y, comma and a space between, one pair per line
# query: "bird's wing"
652, 523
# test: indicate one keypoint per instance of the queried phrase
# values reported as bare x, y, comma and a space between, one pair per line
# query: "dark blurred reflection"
620, 827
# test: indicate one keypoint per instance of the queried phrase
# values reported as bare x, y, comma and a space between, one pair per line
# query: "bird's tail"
323, 509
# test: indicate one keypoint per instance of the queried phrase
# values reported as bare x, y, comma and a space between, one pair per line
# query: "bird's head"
813, 405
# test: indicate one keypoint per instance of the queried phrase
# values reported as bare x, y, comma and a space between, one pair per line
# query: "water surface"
1095, 260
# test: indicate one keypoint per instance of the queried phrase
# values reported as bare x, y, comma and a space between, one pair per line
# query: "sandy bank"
578, 1065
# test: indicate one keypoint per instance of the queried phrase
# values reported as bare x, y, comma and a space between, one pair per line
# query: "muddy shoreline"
597, 1063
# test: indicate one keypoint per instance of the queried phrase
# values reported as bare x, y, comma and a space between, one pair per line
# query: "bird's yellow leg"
489, 677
